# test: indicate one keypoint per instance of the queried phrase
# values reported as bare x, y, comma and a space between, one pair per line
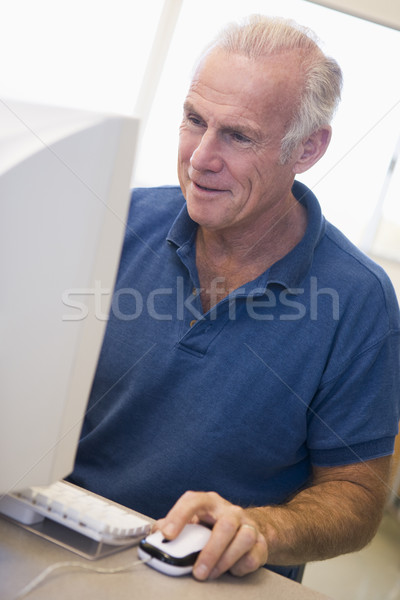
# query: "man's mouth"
205, 188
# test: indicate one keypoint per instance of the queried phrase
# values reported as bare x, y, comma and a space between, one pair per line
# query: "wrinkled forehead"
283, 66
266, 86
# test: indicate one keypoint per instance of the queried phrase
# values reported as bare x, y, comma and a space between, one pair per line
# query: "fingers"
190, 508
253, 559
240, 547
235, 545
240, 550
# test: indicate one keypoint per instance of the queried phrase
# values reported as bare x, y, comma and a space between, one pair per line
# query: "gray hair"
261, 36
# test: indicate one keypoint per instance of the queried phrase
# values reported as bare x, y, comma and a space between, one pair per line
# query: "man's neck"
228, 259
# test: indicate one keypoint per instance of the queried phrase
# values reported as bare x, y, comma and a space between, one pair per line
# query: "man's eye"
239, 137
194, 120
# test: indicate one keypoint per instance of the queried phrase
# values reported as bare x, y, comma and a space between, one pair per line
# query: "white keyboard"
80, 510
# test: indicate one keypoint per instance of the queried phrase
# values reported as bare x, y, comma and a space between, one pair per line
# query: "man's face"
235, 116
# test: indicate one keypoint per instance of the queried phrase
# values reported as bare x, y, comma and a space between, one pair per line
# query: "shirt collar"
183, 228
290, 270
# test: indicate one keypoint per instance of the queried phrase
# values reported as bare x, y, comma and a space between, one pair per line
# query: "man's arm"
339, 512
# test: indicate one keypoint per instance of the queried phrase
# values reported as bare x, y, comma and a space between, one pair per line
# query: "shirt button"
192, 322
194, 291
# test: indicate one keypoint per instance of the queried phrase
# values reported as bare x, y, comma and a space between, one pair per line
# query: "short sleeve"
355, 415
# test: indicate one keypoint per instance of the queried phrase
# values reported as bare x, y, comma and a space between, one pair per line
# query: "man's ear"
312, 149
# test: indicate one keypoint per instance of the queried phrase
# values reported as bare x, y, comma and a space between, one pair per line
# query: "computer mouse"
174, 557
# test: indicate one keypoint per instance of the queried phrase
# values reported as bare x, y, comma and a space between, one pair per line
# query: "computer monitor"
64, 193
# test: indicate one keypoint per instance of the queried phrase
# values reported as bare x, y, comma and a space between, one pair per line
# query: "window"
89, 54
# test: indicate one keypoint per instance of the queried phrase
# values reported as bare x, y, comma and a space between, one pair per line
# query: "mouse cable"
74, 565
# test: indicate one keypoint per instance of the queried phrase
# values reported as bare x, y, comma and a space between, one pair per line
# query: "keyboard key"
78, 509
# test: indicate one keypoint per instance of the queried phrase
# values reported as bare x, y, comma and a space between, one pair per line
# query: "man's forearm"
338, 513
327, 519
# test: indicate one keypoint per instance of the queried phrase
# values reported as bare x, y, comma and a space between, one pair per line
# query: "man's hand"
338, 513
235, 545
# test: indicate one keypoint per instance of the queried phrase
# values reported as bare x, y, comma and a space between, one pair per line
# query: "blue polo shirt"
299, 367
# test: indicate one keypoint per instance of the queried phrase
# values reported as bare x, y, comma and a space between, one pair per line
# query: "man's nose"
207, 156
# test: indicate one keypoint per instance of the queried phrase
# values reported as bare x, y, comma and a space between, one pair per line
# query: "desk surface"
24, 555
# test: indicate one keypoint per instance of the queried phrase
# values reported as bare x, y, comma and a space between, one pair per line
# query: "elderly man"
252, 352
